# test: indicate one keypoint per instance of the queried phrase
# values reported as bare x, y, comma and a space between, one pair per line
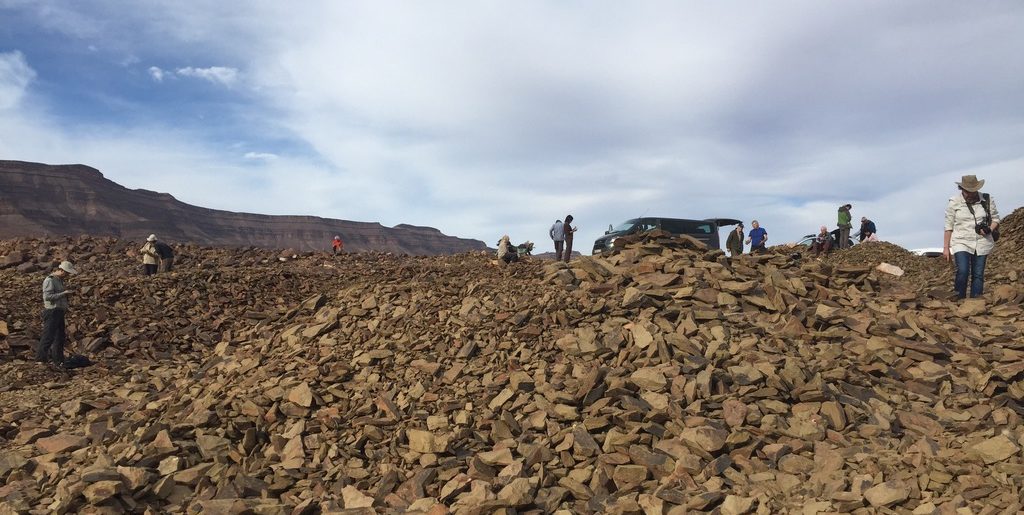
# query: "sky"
483, 118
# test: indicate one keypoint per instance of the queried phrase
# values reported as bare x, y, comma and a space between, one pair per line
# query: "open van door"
721, 222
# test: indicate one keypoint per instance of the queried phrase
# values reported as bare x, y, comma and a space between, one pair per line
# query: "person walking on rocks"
971, 231
166, 254
567, 233
757, 238
734, 243
55, 307
150, 256
867, 230
337, 246
558, 236
845, 225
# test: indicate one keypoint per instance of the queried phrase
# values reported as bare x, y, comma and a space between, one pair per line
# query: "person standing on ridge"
55, 307
557, 236
972, 228
567, 233
734, 243
150, 256
844, 225
337, 246
757, 238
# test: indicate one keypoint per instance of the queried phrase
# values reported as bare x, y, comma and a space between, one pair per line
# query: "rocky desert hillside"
663, 379
73, 200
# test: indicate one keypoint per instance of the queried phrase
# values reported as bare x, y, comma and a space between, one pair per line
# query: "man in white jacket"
150, 256
557, 234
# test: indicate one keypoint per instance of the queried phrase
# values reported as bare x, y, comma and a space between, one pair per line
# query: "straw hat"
152, 237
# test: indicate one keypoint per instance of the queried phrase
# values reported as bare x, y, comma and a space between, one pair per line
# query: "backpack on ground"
76, 361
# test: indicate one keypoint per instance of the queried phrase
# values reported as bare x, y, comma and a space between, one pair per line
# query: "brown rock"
60, 443
887, 493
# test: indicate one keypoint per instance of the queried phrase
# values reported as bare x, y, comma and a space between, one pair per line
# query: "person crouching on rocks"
150, 256
972, 227
506, 252
55, 307
822, 242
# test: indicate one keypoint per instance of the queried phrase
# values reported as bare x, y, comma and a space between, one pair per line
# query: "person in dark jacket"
567, 233
166, 254
734, 243
867, 229
55, 307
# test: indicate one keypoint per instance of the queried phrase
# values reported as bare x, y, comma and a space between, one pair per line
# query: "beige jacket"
149, 255
960, 220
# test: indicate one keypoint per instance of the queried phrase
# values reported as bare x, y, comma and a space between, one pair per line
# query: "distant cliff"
69, 200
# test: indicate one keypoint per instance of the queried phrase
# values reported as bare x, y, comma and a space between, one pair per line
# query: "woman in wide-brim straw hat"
971, 220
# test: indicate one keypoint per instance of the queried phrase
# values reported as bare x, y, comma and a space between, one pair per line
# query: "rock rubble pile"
662, 379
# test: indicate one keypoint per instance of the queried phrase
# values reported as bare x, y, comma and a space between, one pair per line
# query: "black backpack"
76, 361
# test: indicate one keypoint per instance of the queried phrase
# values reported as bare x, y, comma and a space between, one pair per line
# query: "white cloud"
261, 156
156, 73
15, 76
216, 74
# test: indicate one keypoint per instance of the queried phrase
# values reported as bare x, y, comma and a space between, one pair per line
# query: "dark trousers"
819, 247
51, 343
166, 264
558, 249
149, 269
568, 251
760, 249
970, 265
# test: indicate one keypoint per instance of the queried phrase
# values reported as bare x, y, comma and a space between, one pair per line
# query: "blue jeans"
969, 264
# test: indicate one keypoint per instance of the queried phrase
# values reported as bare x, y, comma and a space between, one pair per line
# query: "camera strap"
986, 200
971, 209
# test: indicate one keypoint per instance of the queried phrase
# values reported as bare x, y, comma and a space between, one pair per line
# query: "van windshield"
624, 226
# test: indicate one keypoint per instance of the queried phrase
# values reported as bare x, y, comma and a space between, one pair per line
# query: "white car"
928, 252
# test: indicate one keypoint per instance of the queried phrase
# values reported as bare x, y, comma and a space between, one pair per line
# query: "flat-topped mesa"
69, 200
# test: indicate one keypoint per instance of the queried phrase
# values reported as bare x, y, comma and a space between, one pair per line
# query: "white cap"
68, 267
152, 237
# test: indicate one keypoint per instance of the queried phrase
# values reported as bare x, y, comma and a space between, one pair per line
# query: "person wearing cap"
845, 225
972, 223
557, 233
757, 238
867, 230
150, 256
337, 246
734, 243
55, 307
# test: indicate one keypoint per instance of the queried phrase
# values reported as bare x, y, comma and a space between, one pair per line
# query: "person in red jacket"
337, 245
